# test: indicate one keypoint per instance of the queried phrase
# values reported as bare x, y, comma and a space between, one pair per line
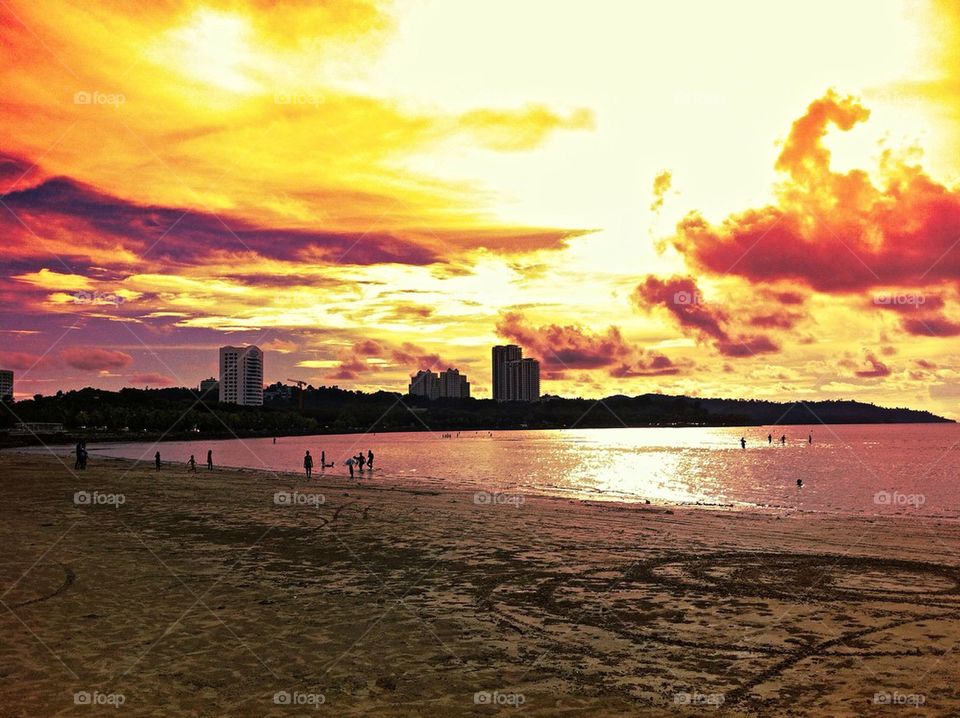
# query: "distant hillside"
816, 412
180, 413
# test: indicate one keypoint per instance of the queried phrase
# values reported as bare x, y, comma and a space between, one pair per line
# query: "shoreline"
387, 481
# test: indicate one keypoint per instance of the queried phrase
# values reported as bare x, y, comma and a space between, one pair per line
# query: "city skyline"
363, 188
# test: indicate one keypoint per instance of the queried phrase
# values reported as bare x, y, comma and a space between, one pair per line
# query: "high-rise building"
454, 385
503, 355
523, 380
515, 378
425, 383
241, 375
209, 387
6, 384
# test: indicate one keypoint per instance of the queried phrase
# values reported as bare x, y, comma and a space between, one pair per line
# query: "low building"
36, 428
210, 387
454, 385
426, 383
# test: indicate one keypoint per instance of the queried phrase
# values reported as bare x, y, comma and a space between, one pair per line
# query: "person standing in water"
783, 440
370, 460
308, 464
156, 460
360, 460
209, 459
743, 443
323, 460
192, 464
349, 463
769, 438
809, 438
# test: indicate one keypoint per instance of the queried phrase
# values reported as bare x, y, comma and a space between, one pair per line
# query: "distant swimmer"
799, 483
743, 443
769, 438
308, 464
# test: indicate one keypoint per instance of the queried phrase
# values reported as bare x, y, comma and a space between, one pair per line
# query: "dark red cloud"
831, 231
875, 368
94, 359
152, 380
931, 326
563, 348
681, 297
63, 207
22, 361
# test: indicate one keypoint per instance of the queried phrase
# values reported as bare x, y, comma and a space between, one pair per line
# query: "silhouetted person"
76, 464
370, 460
308, 464
209, 459
769, 438
360, 460
743, 443
349, 463
799, 483
156, 460
809, 438
783, 440
274, 440
323, 460
192, 464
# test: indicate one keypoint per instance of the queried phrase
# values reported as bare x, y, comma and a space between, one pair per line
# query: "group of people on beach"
191, 462
782, 440
359, 460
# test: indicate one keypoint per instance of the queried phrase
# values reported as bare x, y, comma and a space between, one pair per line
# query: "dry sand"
200, 596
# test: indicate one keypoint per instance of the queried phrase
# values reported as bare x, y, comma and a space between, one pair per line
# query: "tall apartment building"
514, 378
425, 383
241, 375
503, 355
523, 379
6, 384
449, 384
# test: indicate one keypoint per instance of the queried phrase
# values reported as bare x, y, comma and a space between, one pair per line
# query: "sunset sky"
740, 199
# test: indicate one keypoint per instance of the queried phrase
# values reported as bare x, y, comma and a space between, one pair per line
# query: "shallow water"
858, 469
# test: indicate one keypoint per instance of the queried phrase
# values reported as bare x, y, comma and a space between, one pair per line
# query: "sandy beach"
249, 593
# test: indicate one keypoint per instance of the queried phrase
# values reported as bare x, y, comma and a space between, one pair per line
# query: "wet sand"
201, 595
